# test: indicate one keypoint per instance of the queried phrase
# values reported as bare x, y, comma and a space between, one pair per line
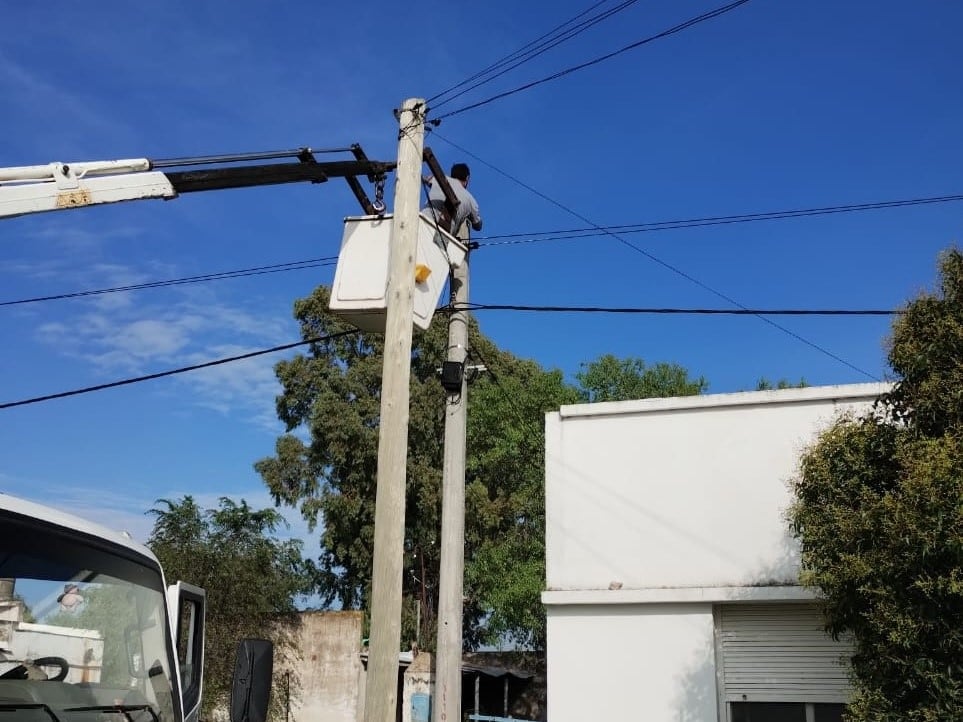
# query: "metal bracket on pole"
367, 206
451, 200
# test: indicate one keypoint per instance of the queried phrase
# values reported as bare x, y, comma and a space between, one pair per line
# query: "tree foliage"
610, 378
251, 578
326, 466
879, 515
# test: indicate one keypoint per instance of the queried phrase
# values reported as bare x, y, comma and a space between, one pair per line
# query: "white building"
672, 580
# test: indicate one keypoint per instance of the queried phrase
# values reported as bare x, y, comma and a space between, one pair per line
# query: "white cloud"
193, 326
249, 384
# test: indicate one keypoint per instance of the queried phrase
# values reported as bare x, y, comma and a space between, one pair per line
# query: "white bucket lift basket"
360, 290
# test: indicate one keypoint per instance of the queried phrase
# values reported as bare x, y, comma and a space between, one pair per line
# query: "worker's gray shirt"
467, 205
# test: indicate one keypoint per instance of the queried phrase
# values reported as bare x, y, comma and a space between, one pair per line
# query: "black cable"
172, 372
677, 311
240, 273
593, 231
522, 238
652, 257
555, 76
508, 58
543, 48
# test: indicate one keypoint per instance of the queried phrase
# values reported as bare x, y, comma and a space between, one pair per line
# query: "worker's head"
460, 171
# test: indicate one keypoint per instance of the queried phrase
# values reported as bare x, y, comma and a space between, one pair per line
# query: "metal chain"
379, 200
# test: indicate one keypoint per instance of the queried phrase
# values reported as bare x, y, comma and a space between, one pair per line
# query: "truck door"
187, 604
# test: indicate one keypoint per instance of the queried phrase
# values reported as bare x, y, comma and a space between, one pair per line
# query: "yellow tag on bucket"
421, 273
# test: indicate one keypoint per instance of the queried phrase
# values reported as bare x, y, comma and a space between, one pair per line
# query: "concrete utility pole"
451, 585
381, 689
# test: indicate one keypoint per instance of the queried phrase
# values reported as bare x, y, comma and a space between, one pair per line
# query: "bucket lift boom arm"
60, 186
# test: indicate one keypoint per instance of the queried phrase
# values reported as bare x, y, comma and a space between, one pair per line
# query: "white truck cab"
89, 630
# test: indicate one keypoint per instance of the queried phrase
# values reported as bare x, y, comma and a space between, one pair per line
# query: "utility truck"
89, 629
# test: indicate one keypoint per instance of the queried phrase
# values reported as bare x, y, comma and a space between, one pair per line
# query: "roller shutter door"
780, 653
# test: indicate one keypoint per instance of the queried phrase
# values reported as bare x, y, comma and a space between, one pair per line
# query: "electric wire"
518, 238
665, 264
470, 307
709, 15
172, 372
512, 403
596, 231
678, 311
544, 47
240, 273
511, 56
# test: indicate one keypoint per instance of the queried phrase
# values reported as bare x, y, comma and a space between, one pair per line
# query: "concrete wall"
656, 512
680, 492
327, 676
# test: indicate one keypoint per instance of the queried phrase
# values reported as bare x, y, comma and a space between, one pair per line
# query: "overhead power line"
518, 238
470, 307
655, 259
648, 227
512, 56
682, 311
527, 55
711, 14
172, 372
240, 273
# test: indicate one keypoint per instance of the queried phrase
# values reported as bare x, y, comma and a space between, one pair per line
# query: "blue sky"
772, 106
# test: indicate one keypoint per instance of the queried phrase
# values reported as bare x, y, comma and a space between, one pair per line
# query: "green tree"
251, 578
505, 493
610, 378
331, 397
879, 514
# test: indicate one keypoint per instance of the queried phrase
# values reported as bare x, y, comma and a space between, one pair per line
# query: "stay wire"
664, 264
543, 48
240, 273
512, 56
711, 14
172, 372
498, 382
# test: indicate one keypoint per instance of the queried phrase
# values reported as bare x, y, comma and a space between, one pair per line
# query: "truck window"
82, 625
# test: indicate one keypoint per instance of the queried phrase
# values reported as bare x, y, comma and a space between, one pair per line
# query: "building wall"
680, 492
329, 669
657, 512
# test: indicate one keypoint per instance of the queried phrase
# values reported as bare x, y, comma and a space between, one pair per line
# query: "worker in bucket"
467, 209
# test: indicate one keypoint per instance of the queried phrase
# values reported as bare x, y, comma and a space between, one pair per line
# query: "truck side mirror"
251, 689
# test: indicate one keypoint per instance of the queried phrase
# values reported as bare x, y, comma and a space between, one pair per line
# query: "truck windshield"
83, 628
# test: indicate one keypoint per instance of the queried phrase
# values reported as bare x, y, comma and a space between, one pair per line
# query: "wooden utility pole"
447, 707
381, 690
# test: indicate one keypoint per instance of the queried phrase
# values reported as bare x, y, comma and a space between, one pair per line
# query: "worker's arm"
474, 216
